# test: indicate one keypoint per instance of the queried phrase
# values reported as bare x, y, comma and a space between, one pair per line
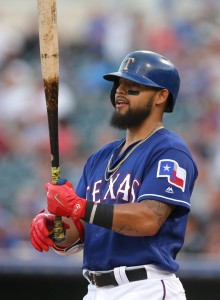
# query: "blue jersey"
162, 169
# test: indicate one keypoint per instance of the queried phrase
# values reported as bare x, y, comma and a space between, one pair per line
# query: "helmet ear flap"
113, 92
170, 104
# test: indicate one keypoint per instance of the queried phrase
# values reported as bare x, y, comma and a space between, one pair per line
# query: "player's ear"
161, 97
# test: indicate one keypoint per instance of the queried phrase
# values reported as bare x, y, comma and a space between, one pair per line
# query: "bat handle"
59, 233
58, 230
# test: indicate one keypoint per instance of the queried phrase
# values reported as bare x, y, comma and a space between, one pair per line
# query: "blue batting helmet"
150, 69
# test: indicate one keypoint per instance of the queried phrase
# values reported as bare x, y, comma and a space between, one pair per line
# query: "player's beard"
132, 118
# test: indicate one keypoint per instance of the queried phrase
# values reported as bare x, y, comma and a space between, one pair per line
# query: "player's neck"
137, 134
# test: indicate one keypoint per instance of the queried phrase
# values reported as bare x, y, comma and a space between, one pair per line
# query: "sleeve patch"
175, 174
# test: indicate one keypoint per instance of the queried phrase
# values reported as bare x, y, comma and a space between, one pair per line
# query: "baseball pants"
159, 285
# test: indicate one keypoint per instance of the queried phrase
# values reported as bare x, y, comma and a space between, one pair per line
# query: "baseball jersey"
161, 168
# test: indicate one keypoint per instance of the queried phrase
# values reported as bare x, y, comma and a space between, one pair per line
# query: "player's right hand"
63, 201
41, 228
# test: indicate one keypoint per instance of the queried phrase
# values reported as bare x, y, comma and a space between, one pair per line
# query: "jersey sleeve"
169, 178
82, 185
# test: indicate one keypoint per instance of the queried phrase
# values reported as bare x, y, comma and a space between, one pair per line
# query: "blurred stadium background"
94, 36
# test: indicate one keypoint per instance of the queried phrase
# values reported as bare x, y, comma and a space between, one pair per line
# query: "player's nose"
122, 88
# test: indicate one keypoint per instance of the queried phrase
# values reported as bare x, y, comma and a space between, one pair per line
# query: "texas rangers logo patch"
175, 174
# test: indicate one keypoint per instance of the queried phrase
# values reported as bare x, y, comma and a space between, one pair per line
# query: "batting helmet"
150, 69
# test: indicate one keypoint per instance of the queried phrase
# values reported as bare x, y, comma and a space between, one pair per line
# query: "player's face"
133, 103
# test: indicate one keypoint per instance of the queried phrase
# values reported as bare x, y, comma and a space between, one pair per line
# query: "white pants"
159, 285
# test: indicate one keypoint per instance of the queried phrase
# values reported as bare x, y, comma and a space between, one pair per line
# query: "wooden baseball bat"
49, 53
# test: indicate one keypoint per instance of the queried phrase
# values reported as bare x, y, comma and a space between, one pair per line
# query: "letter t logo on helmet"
150, 69
127, 62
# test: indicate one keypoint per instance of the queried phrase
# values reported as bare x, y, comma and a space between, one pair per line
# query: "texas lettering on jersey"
121, 189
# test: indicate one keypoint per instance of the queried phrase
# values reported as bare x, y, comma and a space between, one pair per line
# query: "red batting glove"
41, 228
63, 201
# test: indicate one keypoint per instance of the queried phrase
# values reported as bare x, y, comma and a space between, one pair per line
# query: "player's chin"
121, 110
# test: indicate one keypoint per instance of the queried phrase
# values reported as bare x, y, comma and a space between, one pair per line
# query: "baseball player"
132, 201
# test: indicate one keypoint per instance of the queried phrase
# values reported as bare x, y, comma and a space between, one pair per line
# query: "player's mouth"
120, 102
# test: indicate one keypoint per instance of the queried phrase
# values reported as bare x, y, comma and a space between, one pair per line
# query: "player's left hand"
41, 230
62, 200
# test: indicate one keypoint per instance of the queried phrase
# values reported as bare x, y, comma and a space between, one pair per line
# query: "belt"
108, 278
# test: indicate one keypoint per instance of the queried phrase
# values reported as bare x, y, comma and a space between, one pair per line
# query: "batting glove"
41, 229
63, 201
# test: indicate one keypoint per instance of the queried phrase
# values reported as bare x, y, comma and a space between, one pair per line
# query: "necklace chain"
115, 169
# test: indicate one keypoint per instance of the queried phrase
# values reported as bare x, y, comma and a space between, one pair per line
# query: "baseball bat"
49, 54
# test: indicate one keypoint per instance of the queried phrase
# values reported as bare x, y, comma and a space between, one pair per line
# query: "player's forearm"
134, 220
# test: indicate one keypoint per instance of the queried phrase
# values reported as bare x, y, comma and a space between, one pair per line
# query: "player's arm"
134, 219
140, 219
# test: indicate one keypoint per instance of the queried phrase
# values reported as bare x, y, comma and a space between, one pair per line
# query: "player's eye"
133, 92
134, 89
